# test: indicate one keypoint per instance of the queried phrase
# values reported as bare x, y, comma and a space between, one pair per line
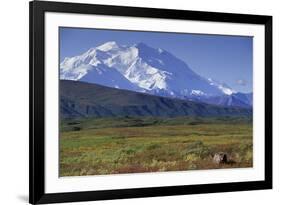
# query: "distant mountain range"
144, 69
80, 99
244, 100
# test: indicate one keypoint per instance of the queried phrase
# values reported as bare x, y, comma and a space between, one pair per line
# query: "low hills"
80, 99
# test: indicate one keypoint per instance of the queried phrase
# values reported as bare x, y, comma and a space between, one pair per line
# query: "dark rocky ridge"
79, 99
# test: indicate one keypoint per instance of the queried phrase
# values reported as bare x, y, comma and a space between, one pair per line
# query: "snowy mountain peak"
140, 68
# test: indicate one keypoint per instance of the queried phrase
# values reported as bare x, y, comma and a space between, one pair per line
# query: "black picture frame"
37, 9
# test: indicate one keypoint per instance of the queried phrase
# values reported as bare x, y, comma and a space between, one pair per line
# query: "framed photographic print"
140, 102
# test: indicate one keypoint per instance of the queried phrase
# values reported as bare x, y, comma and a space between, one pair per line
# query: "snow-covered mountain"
222, 86
244, 100
140, 68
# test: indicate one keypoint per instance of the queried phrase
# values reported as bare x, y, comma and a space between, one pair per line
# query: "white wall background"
14, 100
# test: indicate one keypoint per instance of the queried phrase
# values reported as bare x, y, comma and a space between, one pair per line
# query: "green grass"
130, 145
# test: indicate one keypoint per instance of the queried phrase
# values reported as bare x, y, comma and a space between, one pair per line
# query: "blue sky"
227, 59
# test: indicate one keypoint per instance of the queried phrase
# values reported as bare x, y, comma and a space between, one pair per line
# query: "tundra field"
98, 146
